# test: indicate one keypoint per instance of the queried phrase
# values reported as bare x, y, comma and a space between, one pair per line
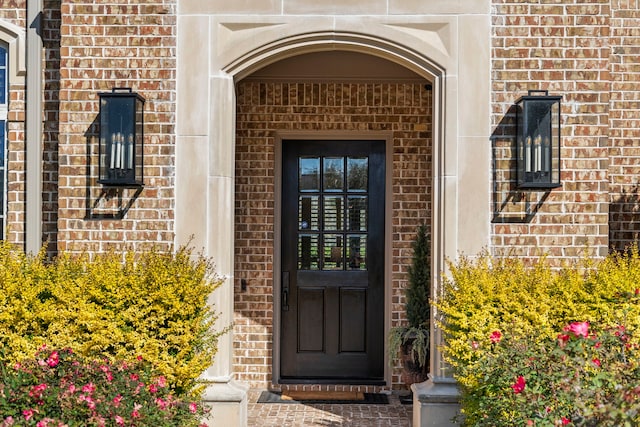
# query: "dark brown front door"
333, 261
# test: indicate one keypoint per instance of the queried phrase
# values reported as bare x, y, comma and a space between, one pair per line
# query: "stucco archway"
232, 47
301, 46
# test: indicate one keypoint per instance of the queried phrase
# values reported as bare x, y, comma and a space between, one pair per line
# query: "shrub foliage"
151, 305
504, 319
60, 389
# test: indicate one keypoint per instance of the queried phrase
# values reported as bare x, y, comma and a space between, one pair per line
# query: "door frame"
387, 137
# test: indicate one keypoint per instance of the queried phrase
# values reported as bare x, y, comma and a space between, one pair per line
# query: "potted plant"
410, 343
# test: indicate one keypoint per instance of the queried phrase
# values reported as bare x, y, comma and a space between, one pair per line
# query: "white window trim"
14, 38
4, 110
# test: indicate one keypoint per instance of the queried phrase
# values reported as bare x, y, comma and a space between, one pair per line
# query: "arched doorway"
315, 260
215, 51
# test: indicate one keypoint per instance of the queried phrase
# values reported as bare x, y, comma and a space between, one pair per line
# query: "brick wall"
129, 43
624, 122
265, 108
14, 12
51, 122
560, 46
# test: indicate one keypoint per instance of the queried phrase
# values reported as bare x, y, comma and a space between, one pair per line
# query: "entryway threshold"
301, 414
324, 397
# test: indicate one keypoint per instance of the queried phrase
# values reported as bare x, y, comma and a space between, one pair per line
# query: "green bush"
487, 299
151, 305
60, 389
575, 379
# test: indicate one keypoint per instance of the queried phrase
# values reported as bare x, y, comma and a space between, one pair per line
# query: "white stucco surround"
15, 40
450, 48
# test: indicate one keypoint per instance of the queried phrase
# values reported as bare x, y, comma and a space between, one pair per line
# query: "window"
4, 102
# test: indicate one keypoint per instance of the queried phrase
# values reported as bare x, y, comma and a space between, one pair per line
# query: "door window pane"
333, 172
308, 213
309, 179
357, 252
308, 252
357, 211
357, 173
333, 213
333, 252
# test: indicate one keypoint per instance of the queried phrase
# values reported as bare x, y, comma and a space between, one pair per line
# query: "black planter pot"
412, 371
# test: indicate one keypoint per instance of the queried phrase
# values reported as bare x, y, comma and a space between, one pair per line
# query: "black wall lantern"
121, 138
538, 140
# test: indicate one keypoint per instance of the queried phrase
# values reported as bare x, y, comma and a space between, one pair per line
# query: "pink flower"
119, 420
71, 389
117, 400
109, 376
596, 362
620, 333
475, 345
28, 414
37, 390
53, 359
153, 388
8, 421
579, 329
193, 407
90, 402
565, 421
519, 385
562, 340
495, 337
135, 413
134, 377
161, 381
161, 403
139, 387
89, 388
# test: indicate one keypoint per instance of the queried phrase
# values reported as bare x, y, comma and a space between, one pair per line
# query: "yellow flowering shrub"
535, 301
151, 305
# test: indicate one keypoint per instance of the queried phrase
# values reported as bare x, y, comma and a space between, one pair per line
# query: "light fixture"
538, 140
121, 145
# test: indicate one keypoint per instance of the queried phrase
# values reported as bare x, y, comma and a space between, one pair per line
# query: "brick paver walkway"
328, 415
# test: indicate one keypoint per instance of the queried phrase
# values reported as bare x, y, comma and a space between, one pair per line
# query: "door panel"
353, 323
333, 260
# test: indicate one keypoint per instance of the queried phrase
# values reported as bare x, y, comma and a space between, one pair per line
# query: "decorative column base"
435, 403
228, 403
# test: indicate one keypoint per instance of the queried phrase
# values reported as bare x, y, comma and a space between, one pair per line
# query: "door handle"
285, 291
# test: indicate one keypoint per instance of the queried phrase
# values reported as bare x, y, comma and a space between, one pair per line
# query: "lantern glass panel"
121, 135
538, 141
139, 121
